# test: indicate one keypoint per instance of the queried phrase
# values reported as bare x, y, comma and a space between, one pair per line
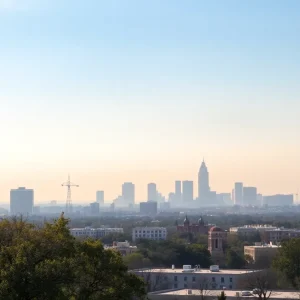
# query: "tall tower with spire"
203, 183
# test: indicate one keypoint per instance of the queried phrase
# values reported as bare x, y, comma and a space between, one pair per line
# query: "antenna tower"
69, 184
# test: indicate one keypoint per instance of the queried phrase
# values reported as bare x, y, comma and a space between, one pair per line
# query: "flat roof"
201, 271
263, 247
229, 293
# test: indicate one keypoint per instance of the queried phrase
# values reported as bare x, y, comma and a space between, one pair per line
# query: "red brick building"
198, 228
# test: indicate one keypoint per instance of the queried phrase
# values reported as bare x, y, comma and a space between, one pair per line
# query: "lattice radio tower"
69, 184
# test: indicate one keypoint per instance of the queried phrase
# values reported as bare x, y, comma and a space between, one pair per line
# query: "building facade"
94, 232
278, 200
21, 201
123, 247
261, 252
196, 228
190, 277
187, 191
149, 233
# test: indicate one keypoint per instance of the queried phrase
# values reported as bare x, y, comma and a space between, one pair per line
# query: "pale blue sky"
131, 86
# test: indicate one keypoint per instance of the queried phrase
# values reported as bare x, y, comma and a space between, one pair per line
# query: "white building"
149, 233
193, 278
94, 232
123, 247
21, 201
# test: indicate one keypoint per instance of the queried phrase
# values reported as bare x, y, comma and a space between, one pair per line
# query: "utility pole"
69, 184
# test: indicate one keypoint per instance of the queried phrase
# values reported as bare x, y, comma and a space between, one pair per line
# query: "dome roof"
215, 229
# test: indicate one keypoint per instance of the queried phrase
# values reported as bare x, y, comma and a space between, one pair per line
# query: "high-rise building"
187, 191
152, 192
203, 184
278, 200
238, 193
178, 191
128, 193
250, 196
95, 208
100, 197
21, 201
148, 208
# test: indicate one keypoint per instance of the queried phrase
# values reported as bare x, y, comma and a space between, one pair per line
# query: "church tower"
216, 243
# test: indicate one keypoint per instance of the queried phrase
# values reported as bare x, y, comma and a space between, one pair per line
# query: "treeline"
48, 263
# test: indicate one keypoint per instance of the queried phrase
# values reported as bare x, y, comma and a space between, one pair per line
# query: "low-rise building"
94, 232
277, 235
123, 247
247, 230
193, 278
261, 252
149, 233
184, 294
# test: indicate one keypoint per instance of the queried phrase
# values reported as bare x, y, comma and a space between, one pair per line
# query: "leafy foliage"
48, 263
287, 261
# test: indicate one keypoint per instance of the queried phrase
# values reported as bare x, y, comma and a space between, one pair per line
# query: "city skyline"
139, 91
145, 190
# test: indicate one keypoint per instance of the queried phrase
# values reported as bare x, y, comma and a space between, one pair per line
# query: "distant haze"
114, 91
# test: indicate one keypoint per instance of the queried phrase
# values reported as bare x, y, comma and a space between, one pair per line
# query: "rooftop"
202, 271
229, 293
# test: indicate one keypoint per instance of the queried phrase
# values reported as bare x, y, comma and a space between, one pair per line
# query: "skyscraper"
249, 196
238, 193
178, 191
152, 192
100, 197
187, 191
128, 194
203, 183
21, 201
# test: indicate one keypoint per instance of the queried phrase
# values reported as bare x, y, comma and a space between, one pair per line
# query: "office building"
152, 192
149, 233
238, 193
21, 201
100, 197
128, 193
95, 209
250, 196
203, 185
178, 191
187, 191
94, 232
278, 200
148, 208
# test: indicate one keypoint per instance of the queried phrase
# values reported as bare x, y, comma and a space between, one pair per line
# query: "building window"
175, 278
185, 278
222, 279
213, 279
185, 286
230, 279
217, 245
194, 279
175, 286
230, 287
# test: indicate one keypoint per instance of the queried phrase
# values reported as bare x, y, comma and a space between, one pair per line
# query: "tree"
48, 263
287, 261
261, 282
136, 261
222, 296
234, 260
203, 286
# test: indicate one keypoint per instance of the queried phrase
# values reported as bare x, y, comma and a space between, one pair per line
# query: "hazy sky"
138, 90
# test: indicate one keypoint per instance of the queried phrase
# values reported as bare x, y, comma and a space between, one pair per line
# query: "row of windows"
213, 279
186, 286
156, 231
